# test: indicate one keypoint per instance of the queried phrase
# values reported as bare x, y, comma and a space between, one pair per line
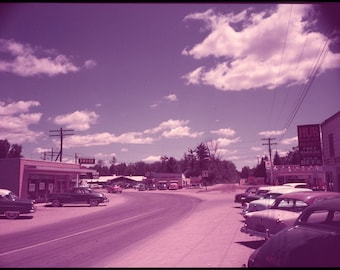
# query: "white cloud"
152, 159
15, 121
171, 97
272, 133
174, 129
253, 50
224, 132
89, 64
17, 107
293, 140
25, 61
180, 132
79, 120
223, 142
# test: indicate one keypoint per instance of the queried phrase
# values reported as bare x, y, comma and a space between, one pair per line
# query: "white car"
269, 198
297, 185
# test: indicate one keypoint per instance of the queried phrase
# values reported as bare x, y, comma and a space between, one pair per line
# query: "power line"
314, 72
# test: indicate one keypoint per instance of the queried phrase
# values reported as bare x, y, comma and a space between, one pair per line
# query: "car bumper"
264, 235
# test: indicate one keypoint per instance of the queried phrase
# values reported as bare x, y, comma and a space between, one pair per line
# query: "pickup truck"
77, 195
12, 206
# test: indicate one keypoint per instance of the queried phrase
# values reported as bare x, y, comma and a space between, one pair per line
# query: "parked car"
260, 193
114, 189
141, 187
162, 186
313, 240
249, 191
173, 186
151, 187
78, 195
297, 185
283, 213
269, 198
12, 206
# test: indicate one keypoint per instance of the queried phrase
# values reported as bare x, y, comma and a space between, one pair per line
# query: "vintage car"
297, 185
114, 189
12, 206
82, 195
249, 191
312, 241
283, 213
260, 193
173, 186
268, 199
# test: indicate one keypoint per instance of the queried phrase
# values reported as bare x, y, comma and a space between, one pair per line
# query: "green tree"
245, 172
10, 151
277, 159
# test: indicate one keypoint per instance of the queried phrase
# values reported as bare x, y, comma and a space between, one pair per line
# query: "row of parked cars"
301, 227
11, 206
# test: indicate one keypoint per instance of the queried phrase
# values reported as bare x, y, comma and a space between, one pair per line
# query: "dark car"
249, 191
259, 194
78, 195
313, 240
141, 187
12, 206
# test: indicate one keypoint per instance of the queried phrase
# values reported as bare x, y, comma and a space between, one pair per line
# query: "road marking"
82, 232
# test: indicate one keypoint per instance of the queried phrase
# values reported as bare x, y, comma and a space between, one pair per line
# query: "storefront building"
330, 129
35, 179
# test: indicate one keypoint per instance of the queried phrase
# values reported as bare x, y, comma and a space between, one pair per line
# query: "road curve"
135, 229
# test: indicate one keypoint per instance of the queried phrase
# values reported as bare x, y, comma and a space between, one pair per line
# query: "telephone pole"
270, 157
61, 134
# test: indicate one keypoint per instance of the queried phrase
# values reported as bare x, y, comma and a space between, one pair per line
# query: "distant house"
158, 179
127, 181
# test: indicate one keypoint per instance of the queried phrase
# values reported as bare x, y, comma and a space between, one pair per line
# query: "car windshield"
11, 196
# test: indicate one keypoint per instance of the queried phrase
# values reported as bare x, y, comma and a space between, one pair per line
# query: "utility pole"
270, 157
50, 154
61, 134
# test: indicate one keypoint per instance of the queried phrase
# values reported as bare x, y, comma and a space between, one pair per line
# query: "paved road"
208, 236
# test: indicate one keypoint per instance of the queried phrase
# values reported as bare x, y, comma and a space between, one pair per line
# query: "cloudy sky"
139, 81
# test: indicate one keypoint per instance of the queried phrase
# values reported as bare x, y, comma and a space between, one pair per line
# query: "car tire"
93, 203
56, 203
11, 215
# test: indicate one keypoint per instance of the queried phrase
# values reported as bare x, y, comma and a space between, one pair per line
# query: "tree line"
202, 158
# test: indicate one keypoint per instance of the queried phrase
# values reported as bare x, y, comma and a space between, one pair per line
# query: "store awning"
58, 169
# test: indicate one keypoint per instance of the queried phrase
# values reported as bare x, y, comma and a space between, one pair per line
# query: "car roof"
294, 184
288, 189
309, 196
329, 204
272, 187
4, 192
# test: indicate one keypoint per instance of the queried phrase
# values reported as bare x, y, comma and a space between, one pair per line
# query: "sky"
141, 81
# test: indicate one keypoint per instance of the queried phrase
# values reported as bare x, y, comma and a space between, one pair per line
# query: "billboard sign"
310, 145
86, 161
